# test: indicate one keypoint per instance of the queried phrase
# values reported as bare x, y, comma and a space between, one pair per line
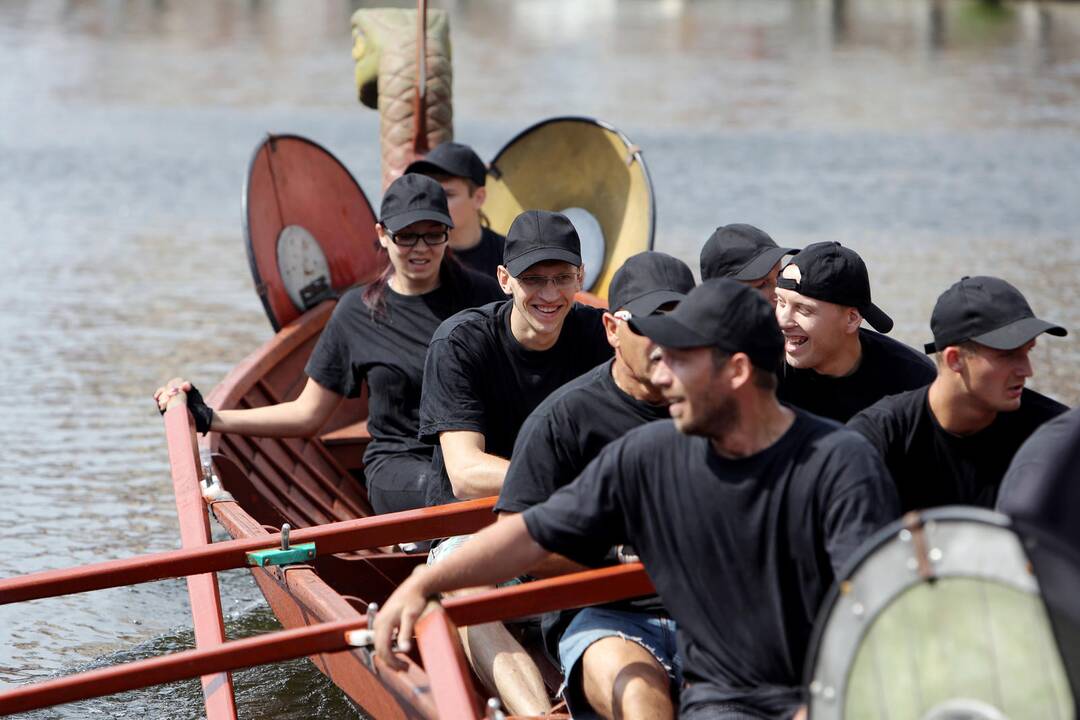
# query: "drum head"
308, 227
585, 167
939, 621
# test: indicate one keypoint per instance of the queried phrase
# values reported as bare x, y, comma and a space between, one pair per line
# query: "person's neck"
762, 421
466, 238
845, 361
630, 384
955, 410
404, 286
527, 336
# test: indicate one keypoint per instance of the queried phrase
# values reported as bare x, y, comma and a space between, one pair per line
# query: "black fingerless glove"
203, 413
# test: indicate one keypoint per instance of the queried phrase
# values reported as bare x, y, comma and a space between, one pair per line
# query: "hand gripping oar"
575, 590
195, 533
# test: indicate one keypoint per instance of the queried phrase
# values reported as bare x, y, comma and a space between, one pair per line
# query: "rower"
744, 253
832, 366
606, 674
486, 370
743, 511
463, 176
950, 443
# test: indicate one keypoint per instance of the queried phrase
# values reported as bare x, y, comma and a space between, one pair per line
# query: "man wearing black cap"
833, 367
744, 253
463, 176
742, 510
555, 444
950, 443
485, 371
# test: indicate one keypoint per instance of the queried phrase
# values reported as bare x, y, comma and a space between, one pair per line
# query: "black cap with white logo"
648, 280
740, 252
539, 235
412, 198
831, 272
451, 158
988, 311
720, 313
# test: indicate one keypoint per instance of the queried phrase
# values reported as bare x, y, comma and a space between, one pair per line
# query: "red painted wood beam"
346, 536
449, 675
602, 585
195, 532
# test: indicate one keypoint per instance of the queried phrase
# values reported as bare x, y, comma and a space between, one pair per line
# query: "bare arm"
473, 472
301, 417
554, 564
496, 553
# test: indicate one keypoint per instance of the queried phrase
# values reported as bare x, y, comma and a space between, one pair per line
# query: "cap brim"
425, 167
541, 254
1018, 333
405, 219
667, 331
877, 318
763, 264
649, 302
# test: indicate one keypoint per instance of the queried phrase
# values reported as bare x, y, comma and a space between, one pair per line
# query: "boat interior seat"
348, 443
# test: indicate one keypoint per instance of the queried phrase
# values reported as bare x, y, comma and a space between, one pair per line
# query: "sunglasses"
539, 282
410, 239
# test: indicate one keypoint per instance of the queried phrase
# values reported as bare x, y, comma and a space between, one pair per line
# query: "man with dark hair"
463, 176
833, 367
743, 511
619, 659
486, 369
950, 443
744, 253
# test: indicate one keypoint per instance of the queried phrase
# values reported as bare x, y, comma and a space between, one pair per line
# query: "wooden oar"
195, 533
345, 536
578, 589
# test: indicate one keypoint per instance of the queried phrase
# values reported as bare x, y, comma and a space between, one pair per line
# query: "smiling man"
951, 443
832, 366
486, 369
742, 510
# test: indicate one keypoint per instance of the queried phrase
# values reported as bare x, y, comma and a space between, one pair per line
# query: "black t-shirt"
887, 367
742, 551
486, 255
389, 352
557, 441
1039, 480
933, 467
478, 377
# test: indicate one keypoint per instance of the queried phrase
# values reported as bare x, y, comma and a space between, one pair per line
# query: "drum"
940, 617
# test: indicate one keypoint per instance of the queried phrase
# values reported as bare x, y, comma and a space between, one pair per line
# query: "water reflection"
937, 138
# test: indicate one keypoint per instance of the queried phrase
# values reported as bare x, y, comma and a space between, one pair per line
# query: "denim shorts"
652, 632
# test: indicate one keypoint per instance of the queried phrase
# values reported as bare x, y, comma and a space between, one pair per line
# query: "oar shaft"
344, 536
593, 586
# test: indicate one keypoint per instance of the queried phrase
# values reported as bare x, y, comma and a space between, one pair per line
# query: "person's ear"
384, 236
503, 276
853, 321
953, 358
479, 196
741, 370
611, 328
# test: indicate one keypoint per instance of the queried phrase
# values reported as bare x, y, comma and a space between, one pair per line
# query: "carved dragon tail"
385, 52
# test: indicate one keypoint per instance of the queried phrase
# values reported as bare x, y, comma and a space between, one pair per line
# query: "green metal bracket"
277, 556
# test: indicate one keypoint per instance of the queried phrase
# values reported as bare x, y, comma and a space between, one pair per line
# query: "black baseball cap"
539, 235
412, 198
454, 159
720, 313
986, 310
740, 252
648, 280
831, 272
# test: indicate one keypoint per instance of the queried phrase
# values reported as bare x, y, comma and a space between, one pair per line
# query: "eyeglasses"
410, 239
539, 282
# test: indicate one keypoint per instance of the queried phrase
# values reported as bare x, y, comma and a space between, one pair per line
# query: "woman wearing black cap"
378, 333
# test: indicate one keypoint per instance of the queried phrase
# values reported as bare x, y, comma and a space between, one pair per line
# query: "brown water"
937, 138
